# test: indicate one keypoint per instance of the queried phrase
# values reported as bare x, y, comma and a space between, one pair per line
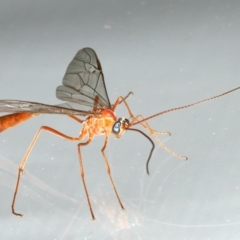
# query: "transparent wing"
23, 106
83, 83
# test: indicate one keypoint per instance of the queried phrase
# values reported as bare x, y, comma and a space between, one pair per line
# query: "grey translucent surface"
169, 53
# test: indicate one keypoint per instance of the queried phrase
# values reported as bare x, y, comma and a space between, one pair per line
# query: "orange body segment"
12, 120
108, 113
98, 125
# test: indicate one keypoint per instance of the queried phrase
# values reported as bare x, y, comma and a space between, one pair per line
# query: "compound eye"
116, 127
126, 121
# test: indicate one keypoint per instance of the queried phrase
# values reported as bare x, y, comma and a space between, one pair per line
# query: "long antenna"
183, 107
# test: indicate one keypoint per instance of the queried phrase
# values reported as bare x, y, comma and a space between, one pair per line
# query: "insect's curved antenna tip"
147, 168
186, 158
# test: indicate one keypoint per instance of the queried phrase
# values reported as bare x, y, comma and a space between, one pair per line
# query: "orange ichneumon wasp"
85, 94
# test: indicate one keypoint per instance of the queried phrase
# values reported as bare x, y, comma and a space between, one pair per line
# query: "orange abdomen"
12, 120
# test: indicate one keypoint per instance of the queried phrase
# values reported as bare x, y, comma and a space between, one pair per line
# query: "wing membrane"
83, 82
24, 106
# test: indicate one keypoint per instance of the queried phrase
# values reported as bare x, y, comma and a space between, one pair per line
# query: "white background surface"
169, 53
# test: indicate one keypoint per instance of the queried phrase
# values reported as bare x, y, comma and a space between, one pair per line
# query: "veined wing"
15, 106
83, 82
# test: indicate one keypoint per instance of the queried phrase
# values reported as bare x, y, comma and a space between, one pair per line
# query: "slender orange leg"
76, 118
120, 100
83, 175
24, 161
109, 172
146, 125
152, 132
123, 99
